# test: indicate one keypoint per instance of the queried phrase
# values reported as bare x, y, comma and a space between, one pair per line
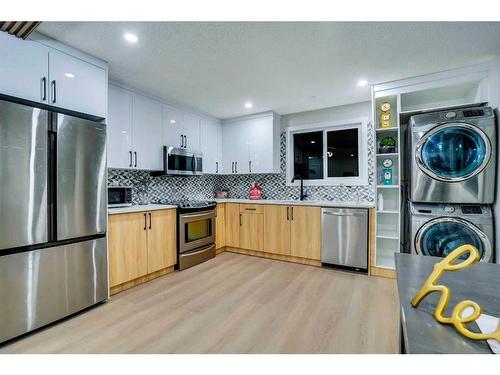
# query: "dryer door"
439, 237
453, 152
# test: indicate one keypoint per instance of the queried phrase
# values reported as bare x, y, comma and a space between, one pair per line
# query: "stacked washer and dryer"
452, 173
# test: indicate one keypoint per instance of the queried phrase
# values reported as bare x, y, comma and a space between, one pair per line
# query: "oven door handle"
208, 214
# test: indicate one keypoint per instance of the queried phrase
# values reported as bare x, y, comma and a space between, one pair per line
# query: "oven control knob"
449, 209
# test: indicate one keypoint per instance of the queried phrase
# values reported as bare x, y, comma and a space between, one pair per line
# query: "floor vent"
21, 29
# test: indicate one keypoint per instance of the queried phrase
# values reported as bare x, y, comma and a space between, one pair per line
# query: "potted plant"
387, 145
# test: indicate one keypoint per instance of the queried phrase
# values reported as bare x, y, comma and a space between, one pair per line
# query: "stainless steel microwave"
179, 161
119, 196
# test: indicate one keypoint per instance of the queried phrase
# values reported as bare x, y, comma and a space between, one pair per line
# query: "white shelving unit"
467, 86
388, 227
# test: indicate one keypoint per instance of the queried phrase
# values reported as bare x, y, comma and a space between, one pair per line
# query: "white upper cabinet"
191, 131
119, 128
263, 144
173, 125
23, 69
32, 71
76, 85
252, 144
211, 146
235, 147
147, 133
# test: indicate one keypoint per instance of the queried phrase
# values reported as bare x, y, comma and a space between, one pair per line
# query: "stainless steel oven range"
195, 232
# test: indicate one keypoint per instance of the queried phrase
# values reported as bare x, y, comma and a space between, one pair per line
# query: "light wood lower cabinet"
162, 243
293, 230
140, 244
220, 226
305, 234
277, 229
251, 230
127, 246
232, 212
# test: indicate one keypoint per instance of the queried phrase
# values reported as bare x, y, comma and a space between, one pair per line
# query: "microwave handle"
193, 163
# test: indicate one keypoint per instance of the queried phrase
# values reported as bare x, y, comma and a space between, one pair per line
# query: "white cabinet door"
147, 133
261, 145
23, 67
235, 148
173, 125
192, 131
210, 146
76, 85
119, 128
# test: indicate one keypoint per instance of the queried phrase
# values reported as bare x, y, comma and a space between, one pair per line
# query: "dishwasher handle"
344, 214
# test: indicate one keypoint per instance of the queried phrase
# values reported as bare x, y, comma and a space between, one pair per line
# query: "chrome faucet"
302, 194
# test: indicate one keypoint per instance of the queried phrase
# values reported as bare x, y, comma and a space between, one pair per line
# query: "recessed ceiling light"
172, 121
313, 142
132, 38
248, 105
69, 75
362, 82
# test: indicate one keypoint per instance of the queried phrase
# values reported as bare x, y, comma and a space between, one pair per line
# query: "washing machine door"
453, 152
439, 237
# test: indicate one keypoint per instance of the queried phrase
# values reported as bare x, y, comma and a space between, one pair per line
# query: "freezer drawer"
81, 177
42, 286
23, 175
344, 237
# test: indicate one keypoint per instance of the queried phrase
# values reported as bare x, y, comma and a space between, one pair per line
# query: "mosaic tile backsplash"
147, 189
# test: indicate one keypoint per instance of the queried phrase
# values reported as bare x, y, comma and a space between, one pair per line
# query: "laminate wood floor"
235, 304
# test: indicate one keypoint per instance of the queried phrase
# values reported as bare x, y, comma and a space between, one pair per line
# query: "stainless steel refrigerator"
53, 249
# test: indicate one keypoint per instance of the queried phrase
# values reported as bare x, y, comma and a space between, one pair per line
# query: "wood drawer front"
252, 208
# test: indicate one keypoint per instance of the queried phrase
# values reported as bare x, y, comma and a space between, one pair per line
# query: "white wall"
343, 112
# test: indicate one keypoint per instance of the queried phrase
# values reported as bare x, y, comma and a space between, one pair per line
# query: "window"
328, 153
342, 153
308, 155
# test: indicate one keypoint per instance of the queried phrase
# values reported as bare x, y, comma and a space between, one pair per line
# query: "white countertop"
298, 203
140, 208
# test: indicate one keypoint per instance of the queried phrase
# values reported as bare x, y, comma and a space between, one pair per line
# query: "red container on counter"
255, 191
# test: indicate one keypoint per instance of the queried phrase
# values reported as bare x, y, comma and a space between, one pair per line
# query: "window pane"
308, 155
342, 153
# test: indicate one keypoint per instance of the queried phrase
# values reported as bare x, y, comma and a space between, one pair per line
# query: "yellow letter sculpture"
456, 318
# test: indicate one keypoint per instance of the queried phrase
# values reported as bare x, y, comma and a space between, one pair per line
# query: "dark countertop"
421, 332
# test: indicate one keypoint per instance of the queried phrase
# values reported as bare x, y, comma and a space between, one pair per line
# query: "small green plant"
388, 142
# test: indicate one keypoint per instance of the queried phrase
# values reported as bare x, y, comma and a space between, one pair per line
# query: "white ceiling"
286, 67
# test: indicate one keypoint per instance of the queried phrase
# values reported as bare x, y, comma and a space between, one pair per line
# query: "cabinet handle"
150, 220
232, 167
292, 213
182, 140
240, 220
250, 209
288, 213
54, 98
44, 89
145, 222
250, 166
135, 154
130, 152
185, 141
216, 167
235, 167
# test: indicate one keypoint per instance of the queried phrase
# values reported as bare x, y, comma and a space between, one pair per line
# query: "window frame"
357, 123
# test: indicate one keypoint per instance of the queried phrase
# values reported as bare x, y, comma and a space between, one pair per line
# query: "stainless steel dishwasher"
344, 238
